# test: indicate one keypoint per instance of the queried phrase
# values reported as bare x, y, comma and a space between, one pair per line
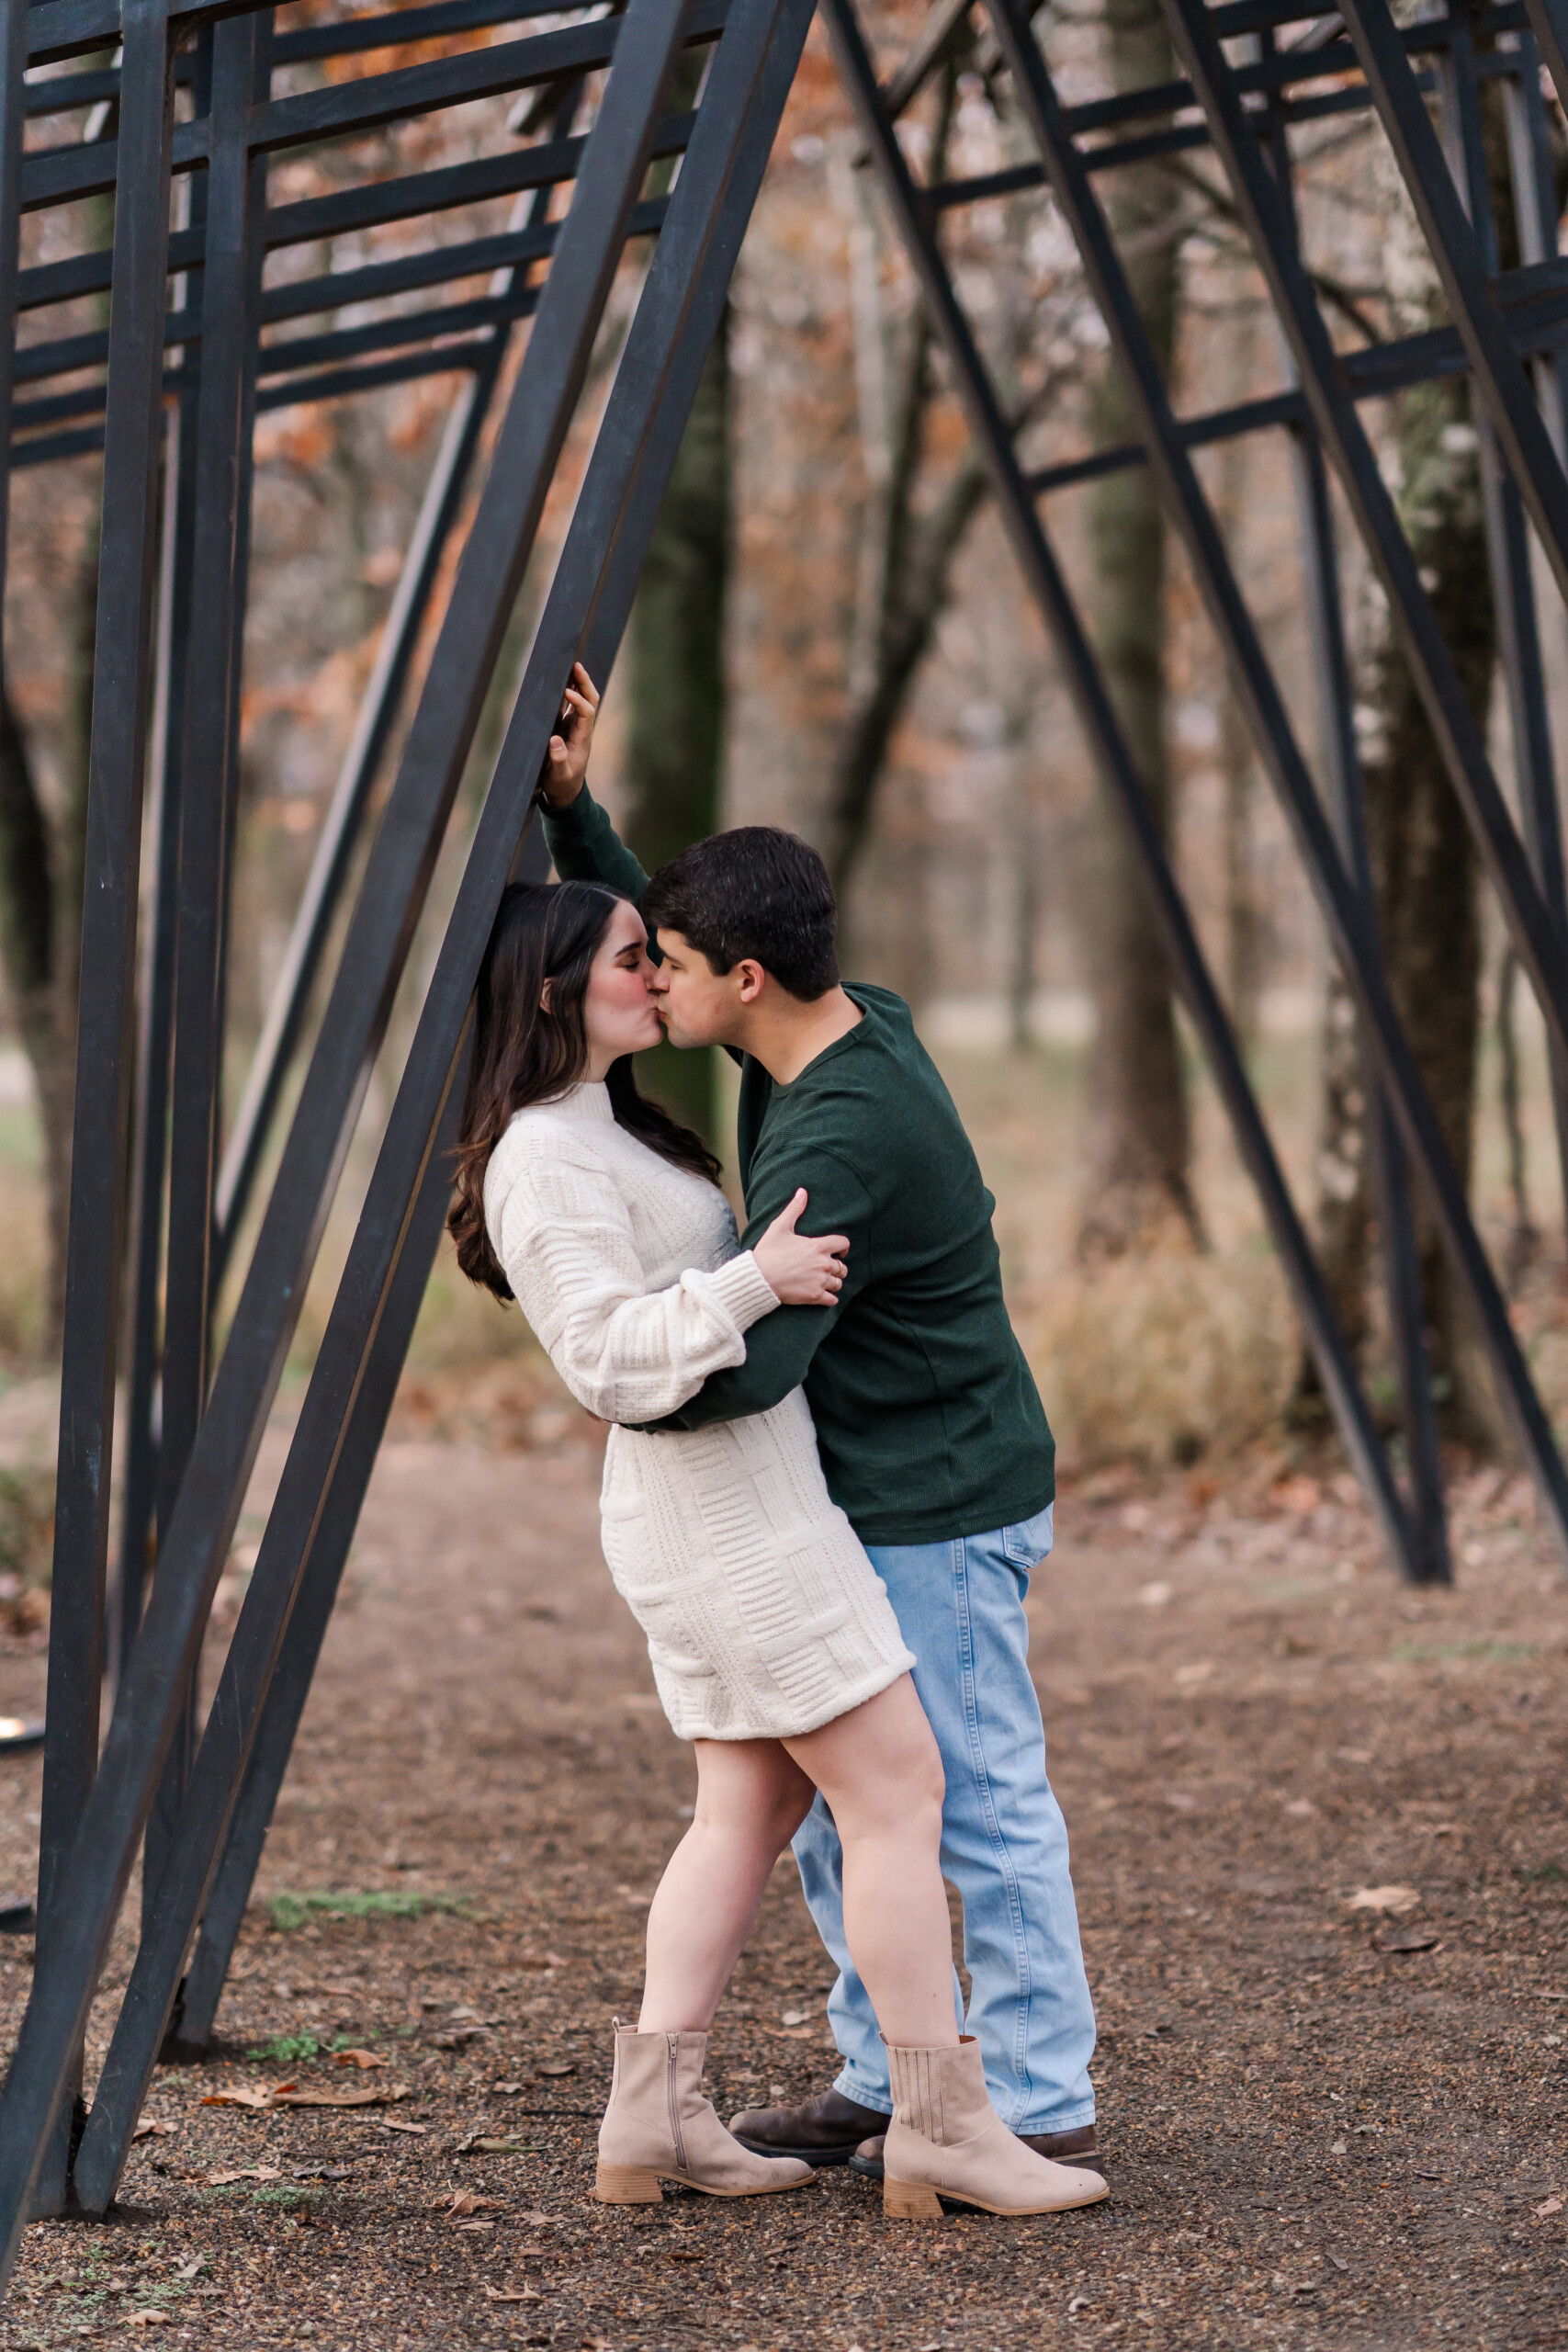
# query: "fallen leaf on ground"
320, 2172
466, 2200
152, 2317
511, 2295
1412, 1942
486, 2146
396, 2123
473, 2226
1385, 1898
682, 2254
505, 2090
1301, 1807
782, 2034
557, 2067
1544, 2212
363, 2058
148, 2130
249, 2172
258, 2100
1200, 1670
374, 2097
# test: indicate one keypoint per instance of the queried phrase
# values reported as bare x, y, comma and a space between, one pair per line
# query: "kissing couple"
828, 1476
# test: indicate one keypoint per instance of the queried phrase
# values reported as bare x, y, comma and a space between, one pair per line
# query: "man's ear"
751, 976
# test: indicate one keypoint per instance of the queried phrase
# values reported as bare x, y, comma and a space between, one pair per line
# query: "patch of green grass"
285, 2192
1539, 1873
287, 2049
290, 1911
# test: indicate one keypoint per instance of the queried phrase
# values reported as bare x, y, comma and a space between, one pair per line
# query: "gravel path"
1327, 2124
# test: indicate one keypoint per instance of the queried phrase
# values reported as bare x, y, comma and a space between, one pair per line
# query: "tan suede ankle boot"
659, 2124
947, 2140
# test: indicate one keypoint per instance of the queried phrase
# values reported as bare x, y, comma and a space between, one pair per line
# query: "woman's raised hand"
803, 1269
566, 768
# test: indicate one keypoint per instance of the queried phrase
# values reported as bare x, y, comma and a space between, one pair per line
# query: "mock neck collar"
588, 1101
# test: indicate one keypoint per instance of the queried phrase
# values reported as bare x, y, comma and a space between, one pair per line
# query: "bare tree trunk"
1426, 885
1422, 860
675, 650
1139, 1141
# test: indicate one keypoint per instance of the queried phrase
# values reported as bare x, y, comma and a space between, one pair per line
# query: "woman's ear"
546, 996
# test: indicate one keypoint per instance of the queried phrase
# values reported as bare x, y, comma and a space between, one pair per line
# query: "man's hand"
566, 769
801, 1270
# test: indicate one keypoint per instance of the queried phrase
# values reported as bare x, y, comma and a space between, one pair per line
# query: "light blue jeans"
1004, 1843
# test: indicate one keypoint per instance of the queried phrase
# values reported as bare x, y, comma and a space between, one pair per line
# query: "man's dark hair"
753, 892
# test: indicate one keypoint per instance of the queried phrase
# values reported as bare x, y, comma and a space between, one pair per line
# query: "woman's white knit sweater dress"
764, 1617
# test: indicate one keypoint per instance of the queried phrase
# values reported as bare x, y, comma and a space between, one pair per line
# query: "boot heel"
627, 2185
905, 2201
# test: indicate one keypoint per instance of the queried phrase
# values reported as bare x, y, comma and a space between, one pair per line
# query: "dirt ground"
1327, 2124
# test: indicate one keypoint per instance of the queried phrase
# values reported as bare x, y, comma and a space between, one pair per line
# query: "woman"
774, 1645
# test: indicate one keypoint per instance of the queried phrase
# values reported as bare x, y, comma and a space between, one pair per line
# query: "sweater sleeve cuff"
741, 1289
569, 829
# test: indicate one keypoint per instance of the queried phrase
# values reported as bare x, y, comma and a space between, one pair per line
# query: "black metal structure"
198, 341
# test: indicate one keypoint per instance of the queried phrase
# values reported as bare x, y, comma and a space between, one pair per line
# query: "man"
931, 1433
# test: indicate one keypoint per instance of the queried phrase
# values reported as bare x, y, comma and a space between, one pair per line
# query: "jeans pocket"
1026, 1543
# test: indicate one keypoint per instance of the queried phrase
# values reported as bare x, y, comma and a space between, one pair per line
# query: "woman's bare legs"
750, 1801
880, 1771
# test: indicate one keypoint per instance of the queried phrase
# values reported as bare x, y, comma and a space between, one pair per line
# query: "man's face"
697, 1005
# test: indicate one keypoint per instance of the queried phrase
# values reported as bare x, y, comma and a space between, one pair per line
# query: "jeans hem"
1073, 2120
865, 2093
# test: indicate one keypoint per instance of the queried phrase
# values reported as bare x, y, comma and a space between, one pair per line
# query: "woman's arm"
562, 1231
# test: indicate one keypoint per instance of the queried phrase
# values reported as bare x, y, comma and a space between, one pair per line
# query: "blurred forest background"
832, 636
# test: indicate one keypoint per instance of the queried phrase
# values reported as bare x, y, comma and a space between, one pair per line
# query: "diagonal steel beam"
438, 514
1260, 206
626, 473
1343, 904
1498, 374
92, 1882
106, 1049
1109, 749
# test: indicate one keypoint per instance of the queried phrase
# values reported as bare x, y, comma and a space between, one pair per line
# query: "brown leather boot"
658, 2124
946, 2143
1063, 2148
826, 2130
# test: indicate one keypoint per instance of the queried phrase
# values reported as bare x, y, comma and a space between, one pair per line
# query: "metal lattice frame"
196, 345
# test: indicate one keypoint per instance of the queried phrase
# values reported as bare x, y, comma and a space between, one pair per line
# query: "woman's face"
619, 1010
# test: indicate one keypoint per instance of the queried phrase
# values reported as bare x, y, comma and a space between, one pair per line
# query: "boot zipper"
673, 2047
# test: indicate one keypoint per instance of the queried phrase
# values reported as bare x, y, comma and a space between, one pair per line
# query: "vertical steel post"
139, 1487
13, 123
122, 697
231, 302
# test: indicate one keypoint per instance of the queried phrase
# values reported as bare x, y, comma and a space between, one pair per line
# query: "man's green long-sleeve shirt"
928, 1418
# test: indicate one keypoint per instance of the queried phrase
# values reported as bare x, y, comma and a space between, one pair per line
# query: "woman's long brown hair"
523, 1053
